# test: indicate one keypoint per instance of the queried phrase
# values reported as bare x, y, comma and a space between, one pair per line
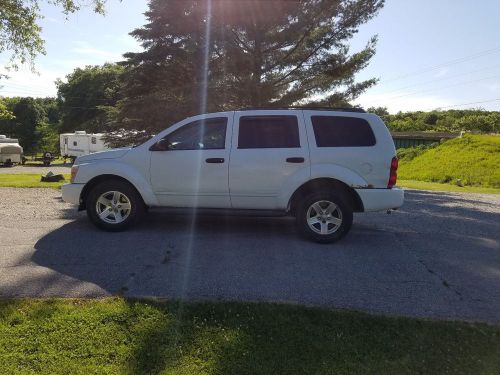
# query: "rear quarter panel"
362, 166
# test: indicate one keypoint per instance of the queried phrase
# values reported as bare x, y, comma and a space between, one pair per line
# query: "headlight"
74, 171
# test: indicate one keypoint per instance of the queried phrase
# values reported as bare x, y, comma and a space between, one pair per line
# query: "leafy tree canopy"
88, 97
31, 120
476, 120
215, 55
19, 28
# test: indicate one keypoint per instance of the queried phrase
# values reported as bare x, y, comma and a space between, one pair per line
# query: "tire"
101, 200
330, 218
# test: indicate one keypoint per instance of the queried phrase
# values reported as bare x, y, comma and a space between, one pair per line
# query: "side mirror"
161, 145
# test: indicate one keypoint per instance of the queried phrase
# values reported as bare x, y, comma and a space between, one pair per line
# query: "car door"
190, 165
268, 148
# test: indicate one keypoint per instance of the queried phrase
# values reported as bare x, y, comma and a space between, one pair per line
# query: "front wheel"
324, 217
114, 205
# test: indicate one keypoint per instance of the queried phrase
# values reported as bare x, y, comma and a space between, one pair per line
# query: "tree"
379, 111
88, 97
19, 29
33, 122
203, 55
5, 114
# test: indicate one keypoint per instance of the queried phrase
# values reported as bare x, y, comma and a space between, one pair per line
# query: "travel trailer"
80, 143
10, 151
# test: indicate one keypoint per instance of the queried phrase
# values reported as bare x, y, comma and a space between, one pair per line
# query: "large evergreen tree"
202, 55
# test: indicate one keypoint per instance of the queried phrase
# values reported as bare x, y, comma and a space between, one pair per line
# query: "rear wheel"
114, 205
324, 217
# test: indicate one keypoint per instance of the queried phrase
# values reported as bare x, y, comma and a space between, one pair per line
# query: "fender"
120, 169
343, 174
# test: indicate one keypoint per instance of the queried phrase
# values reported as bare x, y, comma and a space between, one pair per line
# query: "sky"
431, 53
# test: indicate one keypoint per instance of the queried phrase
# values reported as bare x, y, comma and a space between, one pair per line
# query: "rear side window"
337, 131
268, 132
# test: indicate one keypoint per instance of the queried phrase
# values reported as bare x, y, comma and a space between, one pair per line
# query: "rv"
80, 143
10, 151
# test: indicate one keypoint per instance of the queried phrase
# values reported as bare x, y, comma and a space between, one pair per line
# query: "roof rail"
339, 109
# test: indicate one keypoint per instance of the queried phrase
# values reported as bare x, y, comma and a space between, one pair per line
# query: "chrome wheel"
324, 217
113, 207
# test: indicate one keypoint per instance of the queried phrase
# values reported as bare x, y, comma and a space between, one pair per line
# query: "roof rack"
339, 109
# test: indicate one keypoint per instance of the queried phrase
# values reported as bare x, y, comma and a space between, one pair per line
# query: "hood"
111, 154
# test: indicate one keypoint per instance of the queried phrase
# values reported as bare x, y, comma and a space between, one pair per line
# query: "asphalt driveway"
437, 257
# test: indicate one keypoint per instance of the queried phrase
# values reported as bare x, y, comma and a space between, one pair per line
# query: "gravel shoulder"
25, 169
438, 257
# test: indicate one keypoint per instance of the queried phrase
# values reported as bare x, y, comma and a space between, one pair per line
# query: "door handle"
215, 160
295, 160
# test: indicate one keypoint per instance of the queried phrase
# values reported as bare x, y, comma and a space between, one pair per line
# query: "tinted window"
336, 131
208, 134
268, 132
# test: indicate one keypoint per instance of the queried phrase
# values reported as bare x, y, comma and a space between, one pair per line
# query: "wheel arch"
100, 178
349, 194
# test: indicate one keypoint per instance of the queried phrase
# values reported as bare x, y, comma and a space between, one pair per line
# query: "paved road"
438, 257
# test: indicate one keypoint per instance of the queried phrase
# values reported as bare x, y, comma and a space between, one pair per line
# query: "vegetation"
87, 99
116, 336
29, 181
208, 56
19, 29
476, 120
33, 121
472, 159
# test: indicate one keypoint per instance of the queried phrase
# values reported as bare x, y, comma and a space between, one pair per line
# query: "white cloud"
84, 48
441, 73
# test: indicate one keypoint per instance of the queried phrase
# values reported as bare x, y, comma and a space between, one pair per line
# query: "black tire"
133, 215
342, 211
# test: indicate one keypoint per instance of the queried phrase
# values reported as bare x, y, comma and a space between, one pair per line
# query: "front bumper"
71, 193
381, 199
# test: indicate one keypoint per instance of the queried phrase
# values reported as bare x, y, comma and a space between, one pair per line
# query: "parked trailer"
10, 151
80, 143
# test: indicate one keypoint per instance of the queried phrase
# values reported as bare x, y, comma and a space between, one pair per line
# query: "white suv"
319, 165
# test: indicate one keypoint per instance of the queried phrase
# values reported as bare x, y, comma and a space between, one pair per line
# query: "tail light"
74, 171
393, 176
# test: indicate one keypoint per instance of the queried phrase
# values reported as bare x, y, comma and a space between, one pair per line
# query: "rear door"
268, 148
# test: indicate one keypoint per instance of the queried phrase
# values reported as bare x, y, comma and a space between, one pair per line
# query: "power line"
442, 79
433, 89
459, 105
445, 64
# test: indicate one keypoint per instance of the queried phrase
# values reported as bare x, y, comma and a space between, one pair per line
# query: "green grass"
29, 181
436, 186
116, 336
474, 159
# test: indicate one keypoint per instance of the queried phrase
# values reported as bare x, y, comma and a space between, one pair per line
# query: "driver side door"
190, 165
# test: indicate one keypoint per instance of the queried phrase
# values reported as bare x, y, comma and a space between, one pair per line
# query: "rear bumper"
71, 193
381, 199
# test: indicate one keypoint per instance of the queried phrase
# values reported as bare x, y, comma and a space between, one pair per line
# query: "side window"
268, 132
74, 143
208, 134
337, 131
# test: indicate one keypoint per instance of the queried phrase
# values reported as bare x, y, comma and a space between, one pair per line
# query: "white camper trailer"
80, 143
10, 151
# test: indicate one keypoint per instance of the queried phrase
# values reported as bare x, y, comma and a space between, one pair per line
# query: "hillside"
474, 159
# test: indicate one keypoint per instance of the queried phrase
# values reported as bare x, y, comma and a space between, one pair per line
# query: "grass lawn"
423, 185
29, 181
474, 159
116, 336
